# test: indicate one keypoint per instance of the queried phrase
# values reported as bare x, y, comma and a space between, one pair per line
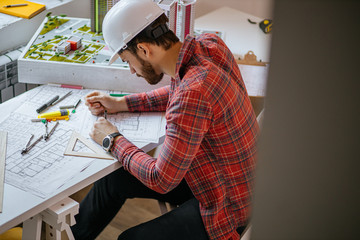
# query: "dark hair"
165, 40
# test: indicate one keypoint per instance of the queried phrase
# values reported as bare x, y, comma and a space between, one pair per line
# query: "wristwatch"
108, 141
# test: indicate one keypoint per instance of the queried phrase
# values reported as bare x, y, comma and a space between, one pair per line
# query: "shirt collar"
186, 52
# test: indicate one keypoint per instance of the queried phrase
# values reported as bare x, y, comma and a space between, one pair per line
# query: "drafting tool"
71, 106
63, 114
62, 98
46, 135
29, 146
67, 107
51, 131
77, 103
75, 106
48, 104
105, 114
37, 119
3, 139
96, 151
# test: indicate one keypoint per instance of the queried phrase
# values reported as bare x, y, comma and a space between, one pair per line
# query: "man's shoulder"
207, 36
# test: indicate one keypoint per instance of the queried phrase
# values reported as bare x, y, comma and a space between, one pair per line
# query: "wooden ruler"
3, 138
96, 151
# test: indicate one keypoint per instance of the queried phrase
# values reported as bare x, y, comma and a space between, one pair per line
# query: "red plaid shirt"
210, 138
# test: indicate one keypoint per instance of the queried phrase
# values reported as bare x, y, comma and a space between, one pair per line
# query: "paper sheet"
44, 169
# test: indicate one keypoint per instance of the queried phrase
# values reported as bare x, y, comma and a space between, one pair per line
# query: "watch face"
106, 142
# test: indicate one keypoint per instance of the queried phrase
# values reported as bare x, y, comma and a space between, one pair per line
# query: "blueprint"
45, 168
138, 127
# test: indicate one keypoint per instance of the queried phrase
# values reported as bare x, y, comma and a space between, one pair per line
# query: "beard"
148, 72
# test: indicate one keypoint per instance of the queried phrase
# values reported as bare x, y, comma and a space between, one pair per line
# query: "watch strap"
115, 134
110, 138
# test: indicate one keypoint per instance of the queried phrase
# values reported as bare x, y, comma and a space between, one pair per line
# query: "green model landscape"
45, 50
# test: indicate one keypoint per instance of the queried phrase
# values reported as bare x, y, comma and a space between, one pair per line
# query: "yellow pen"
63, 114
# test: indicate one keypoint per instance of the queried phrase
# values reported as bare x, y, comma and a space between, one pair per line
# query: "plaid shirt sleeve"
189, 117
155, 100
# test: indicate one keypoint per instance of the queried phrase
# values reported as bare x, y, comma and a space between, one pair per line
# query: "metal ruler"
3, 139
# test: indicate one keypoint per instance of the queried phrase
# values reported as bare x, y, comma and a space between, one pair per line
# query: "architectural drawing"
45, 168
141, 127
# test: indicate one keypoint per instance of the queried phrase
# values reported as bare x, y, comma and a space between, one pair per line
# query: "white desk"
20, 205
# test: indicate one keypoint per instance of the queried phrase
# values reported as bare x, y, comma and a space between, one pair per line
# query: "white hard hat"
125, 20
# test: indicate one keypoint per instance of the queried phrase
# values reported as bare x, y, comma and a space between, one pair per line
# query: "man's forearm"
155, 100
122, 105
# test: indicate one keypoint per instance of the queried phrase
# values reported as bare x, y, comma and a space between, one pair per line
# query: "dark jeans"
108, 194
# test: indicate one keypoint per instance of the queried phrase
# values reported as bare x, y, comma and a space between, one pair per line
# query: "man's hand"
98, 102
101, 129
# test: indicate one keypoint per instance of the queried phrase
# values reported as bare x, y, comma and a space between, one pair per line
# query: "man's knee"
113, 183
119, 183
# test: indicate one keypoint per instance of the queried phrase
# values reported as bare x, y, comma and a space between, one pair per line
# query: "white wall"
259, 8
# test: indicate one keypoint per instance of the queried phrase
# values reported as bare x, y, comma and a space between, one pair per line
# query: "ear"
143, 50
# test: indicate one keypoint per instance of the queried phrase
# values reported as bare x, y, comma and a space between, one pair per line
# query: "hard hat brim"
113, 58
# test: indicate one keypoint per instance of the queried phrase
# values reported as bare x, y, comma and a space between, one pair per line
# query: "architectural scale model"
169, 6
63, 47
65, 39
99, 8
47, 58
181, 14
75, 42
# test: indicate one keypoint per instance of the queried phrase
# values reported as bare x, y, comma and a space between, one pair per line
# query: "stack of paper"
26, 11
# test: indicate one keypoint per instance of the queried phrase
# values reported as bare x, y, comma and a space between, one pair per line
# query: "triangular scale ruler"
96, 151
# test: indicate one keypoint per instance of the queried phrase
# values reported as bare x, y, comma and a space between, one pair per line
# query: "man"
206, 165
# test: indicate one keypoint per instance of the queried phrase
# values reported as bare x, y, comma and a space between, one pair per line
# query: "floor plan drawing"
138, 126
45, 168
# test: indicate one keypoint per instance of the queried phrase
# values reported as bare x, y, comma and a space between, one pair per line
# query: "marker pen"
48, 104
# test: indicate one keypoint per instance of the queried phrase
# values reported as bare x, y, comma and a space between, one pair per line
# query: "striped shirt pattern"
211, 133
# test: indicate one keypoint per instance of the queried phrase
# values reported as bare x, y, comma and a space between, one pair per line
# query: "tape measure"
265, 25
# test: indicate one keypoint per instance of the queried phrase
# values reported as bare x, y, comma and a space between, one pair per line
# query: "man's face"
141, 67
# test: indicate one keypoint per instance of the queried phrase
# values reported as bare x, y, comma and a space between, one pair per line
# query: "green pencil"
118, 94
